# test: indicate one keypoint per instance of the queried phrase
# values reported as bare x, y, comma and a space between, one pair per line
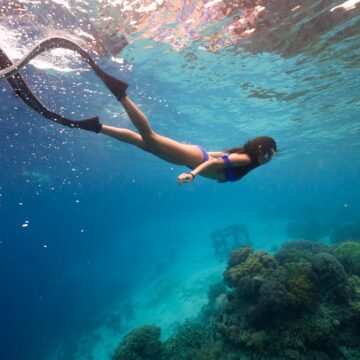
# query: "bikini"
229, 172
204, 153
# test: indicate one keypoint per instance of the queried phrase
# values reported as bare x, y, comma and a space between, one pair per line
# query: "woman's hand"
185, 177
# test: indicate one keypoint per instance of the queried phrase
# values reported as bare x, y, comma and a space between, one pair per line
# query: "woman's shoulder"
239, 159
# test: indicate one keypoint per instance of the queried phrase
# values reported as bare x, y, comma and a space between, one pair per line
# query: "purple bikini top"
229, 171
231, 174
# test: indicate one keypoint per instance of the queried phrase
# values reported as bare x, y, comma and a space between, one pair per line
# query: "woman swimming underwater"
223, 166
229, 165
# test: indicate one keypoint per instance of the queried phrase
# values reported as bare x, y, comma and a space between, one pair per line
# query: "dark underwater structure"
301, 303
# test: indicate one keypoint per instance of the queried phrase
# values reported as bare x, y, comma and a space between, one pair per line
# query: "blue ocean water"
88, 222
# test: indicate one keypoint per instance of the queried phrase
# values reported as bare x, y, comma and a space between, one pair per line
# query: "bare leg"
124, 135
161, 146
138, 118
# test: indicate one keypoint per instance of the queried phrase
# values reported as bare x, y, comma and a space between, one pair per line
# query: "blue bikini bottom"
205, 154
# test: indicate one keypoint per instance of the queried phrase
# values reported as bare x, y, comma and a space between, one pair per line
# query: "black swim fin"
27, 96
116, 86
10, 72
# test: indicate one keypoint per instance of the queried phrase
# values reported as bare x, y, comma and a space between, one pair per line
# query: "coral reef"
238, 256
330, 278
299, 250
216, 300
305, 300
302, 303
348, 253
140, 344
248, 271
192, 341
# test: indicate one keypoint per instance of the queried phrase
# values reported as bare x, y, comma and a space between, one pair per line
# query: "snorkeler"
223, 166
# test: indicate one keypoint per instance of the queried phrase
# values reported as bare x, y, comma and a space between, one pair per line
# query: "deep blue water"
86, 220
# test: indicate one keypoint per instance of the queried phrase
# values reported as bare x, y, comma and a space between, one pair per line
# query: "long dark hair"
261, 145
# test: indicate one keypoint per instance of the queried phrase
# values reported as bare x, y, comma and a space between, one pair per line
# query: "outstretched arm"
209, 164
214, 163
215, 154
